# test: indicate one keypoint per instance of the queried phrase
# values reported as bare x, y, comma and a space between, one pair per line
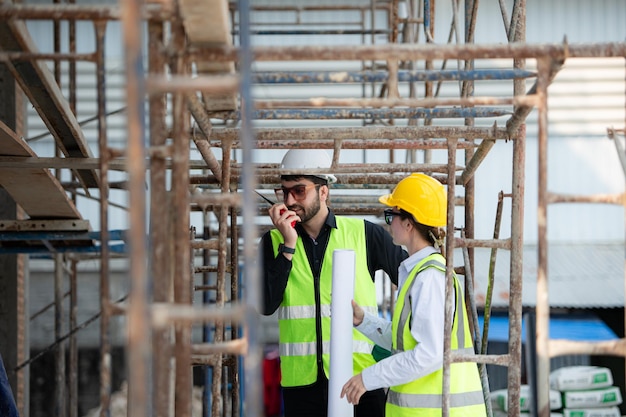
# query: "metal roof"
579, 276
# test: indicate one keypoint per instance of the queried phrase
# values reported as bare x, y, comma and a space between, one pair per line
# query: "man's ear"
324, 191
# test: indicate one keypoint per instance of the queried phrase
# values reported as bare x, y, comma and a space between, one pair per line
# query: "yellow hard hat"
422, 196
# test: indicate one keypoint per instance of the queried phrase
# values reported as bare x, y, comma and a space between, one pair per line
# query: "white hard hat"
304, 159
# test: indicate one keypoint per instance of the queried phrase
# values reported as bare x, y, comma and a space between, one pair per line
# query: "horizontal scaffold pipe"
359, 144
374, 173
329, 77
152, 11
353, 200
164, 314
287, 32
528, 100
363, 133
121, 164
237, 347
203, 181
476, 243
370, 168
338, 209
299, 8
58, 235
561, 347
48, 252
617, 199
208, 84
412, 52
80, 12
501, 360
373, 209
117, 164
343, 113
216, 199
353, 209
29, 56
344, 181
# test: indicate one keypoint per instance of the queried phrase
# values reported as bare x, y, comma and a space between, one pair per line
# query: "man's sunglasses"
298, 192
389, 213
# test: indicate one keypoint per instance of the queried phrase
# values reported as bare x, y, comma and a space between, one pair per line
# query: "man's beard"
308, 212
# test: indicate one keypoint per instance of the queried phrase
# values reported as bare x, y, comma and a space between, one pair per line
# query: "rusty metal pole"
450, 299
160, 231
138, 315
516, 272
73, 345
218, 371
207, 286
234, 295
467, 90
180, 207
72, 382
543, 302
105, 307
60, 402
73, 348
517, 50
429, 33
253, 360
517, 33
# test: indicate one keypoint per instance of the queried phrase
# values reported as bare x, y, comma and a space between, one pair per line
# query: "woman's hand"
357, 314
353, 389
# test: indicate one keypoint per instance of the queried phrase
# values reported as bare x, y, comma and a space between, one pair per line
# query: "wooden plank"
207, 23
38, 83
36, 190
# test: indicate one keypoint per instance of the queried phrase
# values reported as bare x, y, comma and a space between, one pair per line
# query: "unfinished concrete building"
188, 130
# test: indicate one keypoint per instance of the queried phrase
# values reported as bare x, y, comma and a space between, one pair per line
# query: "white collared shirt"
427, 323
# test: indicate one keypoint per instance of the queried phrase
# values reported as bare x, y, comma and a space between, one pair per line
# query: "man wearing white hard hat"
297, 276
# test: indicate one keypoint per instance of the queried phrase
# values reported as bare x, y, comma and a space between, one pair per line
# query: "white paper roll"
341, 332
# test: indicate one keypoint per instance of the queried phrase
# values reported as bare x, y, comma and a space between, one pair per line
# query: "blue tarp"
588, 328
7, 402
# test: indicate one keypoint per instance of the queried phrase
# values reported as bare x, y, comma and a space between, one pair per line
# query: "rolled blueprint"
341, 332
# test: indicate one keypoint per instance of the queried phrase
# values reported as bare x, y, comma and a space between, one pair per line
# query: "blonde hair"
437, 237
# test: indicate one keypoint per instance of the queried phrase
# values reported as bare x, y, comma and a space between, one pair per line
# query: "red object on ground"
272, 400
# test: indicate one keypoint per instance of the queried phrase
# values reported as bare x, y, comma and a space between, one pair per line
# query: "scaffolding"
201, 91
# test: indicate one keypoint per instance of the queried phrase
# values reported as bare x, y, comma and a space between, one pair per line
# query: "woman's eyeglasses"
389, 213
298, 192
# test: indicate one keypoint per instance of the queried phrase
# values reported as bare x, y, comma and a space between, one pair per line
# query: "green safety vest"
296, 314
423, 397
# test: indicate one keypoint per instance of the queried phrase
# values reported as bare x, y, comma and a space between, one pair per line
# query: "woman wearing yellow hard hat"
415, 335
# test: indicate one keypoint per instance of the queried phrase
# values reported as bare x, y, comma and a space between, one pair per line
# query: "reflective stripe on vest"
423, 397
303, 349
307, 312
435, 400
296, 314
